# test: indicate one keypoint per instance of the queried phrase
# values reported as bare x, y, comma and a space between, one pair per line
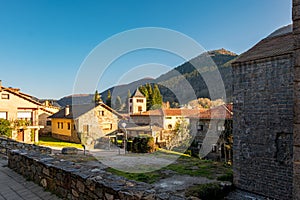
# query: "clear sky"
43, 43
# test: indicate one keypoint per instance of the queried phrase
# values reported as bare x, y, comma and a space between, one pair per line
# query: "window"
170, 126
140, 109
107, 126
58, 124
140, 100
214, 148
3, 115
101, 113
200, 128
168, 117
221, 127
86, 128
24, 115
62, 125
69, 126
74, 127
48, 123
130, 100
5, 96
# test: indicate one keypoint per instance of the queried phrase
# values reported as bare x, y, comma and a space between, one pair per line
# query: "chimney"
67, 110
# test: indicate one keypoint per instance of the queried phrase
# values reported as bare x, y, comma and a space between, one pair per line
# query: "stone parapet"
7, 144
71, 180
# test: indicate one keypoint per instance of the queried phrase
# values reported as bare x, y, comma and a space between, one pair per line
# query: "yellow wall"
64, 130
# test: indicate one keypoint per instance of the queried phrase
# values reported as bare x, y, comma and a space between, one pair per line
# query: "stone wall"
76, 181
8, 144
263, 126
296, 32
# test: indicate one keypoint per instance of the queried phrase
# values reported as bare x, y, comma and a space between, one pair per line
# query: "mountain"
75, 99
120, 90
173, 84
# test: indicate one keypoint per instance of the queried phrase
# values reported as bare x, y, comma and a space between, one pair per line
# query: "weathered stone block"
69, 150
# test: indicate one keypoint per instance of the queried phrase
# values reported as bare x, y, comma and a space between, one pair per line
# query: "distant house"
87, 121
28, 115
208, 128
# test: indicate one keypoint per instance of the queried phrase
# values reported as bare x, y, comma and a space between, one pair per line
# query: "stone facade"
296, 32
263, 126
89, 122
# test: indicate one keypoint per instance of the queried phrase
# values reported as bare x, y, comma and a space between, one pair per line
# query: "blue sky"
43, 43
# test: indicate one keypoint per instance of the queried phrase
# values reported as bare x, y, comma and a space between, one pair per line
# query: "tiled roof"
219, 112
78, 110
137, 93
280, 42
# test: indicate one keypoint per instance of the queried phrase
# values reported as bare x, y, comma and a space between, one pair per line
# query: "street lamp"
124, 126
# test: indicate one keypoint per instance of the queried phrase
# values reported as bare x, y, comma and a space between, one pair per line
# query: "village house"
206, 125
86, 123
27, 115
212, 130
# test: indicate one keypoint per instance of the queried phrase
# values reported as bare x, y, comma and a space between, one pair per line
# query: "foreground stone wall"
263, 126
296, 32
7, 144
76, 181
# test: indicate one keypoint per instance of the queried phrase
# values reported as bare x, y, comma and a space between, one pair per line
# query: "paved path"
14, 186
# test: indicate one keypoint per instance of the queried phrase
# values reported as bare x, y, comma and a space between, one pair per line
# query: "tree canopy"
153, 96
108, 99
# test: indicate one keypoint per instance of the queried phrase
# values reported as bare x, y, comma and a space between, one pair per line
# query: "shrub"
5, 128
142, 144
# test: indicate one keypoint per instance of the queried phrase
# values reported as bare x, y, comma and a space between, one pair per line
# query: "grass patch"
53, 142
184, 165
206, 191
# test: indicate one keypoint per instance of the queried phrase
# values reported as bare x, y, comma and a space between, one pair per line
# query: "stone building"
266, 85
84, 122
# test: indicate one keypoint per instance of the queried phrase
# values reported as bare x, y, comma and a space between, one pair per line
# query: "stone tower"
296, 157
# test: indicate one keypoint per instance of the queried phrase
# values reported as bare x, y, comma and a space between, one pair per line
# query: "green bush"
142, 144
5, 128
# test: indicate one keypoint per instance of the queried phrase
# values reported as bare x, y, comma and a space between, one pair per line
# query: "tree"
153, 96
127, 99
156, 98
180, 136
108, 99
5, 127
118, 103
97, 97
